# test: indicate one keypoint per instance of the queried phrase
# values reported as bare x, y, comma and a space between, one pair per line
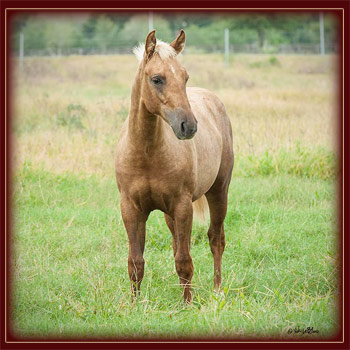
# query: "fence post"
150, 21
227, 47
21, 50
322, 34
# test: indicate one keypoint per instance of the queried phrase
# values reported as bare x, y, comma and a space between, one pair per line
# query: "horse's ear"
179, 43
150, 44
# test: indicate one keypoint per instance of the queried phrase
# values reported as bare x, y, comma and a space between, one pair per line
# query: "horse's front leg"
183, 215
135, 224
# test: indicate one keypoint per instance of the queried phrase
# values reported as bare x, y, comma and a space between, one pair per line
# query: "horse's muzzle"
183, 123
188, 130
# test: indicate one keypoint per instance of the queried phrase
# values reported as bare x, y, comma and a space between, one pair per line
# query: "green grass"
301, 161
70, 262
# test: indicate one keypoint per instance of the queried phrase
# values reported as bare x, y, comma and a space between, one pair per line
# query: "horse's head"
163, 85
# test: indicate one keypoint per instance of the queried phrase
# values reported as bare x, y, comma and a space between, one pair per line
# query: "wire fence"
252, 48
119, 34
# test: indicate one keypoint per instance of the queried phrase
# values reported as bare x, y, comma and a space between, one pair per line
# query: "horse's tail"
201, 210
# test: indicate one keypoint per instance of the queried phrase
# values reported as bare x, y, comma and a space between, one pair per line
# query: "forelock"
163, 49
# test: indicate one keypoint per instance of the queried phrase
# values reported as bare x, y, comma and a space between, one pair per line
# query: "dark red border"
62, 6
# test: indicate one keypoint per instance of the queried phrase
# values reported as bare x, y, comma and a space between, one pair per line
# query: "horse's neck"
145, 129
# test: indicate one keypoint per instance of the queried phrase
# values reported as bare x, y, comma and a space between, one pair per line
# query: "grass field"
69, 259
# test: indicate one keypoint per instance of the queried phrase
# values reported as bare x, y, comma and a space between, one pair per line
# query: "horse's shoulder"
200, 98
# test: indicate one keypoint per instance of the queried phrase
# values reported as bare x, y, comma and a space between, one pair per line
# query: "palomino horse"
175, 148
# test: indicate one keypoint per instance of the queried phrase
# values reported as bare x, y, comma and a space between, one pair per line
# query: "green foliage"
163, 30
205, 37
59, 34
36, 33
211, 37
105, 33
118, 30
89, 27
183, 20
136, 29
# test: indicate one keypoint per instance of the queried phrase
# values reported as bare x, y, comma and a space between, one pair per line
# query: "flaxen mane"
163, 49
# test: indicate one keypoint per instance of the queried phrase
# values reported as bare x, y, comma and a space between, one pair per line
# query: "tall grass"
69, 110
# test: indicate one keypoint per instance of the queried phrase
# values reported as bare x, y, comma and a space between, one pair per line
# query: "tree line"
122, 31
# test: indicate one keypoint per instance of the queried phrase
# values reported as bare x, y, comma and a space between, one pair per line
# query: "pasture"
69, 245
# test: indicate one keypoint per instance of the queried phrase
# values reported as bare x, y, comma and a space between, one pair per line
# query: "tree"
136, 29
60, 33
35, 33
257, 22
105, 33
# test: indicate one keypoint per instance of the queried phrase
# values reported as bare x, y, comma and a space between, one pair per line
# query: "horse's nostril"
183, 127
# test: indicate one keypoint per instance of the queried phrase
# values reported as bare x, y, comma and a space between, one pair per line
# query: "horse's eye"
157, 81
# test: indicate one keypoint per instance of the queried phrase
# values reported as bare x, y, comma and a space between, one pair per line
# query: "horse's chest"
149, 194
153, 191
153, 182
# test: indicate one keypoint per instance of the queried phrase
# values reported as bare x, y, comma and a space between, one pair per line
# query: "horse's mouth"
182, 136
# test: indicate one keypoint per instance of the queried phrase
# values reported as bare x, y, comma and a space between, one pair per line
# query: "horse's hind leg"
217, 200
